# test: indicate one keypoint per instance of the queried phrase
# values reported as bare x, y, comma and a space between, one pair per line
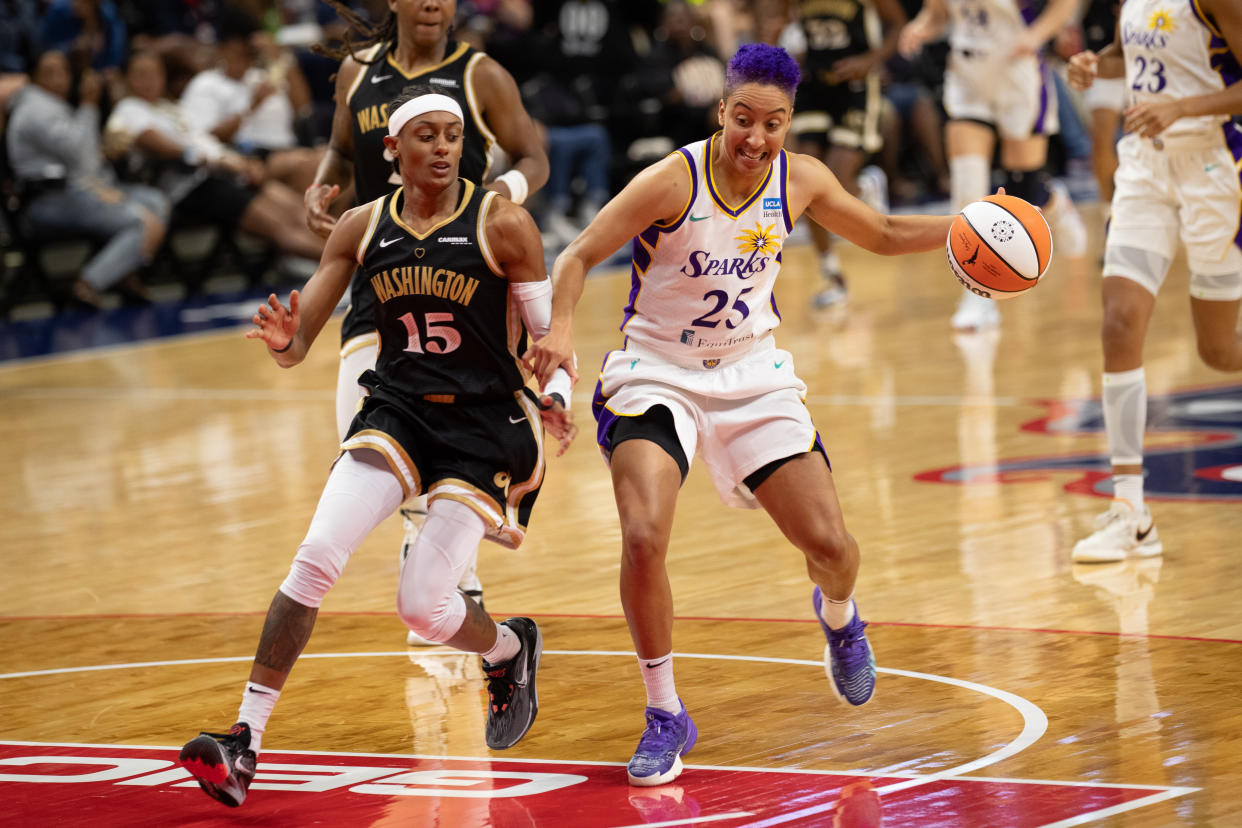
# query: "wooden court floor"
153, 496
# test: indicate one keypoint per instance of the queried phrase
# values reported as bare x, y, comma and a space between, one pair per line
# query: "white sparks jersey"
988, 25
701, 285
1173, 49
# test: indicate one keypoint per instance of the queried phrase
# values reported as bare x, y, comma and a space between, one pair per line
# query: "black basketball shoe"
223, 763
512, 700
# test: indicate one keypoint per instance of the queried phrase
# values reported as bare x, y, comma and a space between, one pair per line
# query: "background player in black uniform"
837, 110
448, 413
412, 43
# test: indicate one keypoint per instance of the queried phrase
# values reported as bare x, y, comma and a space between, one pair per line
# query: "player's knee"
827, 547
311, 575
643, 542
1219, 354
428, 614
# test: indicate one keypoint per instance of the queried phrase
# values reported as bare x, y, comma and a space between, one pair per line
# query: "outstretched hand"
557, 421
546, 354
275, 324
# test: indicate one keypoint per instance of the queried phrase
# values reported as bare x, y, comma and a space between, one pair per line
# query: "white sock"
506, 647
658, 679
256, 707
837, 614
1129, 487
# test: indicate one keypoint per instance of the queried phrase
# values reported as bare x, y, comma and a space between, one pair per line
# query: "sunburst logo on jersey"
759, 240
1161, 21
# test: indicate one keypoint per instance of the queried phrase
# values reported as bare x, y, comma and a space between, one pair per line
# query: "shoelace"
658, 738
498, 684
850, 647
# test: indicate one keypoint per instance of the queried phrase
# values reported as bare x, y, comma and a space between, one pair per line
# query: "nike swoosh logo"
699, 218
260, 692
779, 364
518, 420
1142, 536
1210, 167
386, 242
379, 78
657, 664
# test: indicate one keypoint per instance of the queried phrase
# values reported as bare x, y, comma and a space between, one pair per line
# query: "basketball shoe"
512, 701
975, 313
1066, 224
223, 763
848, 660
413, 519
667, 738
1119, 532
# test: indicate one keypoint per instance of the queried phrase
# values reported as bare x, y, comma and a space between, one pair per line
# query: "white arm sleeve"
534, 301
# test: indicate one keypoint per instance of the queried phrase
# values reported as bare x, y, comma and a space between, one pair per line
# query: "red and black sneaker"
512, 701
223, 763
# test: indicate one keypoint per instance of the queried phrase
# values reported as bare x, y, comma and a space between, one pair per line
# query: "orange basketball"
999, 247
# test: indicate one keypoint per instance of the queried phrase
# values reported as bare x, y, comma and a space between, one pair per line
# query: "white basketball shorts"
1018, 97
1188, 189
738, 416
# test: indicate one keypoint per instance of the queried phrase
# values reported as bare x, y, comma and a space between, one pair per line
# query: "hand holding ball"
999, 247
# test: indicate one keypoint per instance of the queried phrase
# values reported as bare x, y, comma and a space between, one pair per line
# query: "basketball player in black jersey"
412, 43
448, 413
837, 111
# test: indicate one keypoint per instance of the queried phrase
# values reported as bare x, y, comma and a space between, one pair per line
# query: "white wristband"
518, 186
560, 384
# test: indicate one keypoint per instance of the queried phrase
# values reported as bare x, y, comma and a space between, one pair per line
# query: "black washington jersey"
836, 29
380, 81
446, 327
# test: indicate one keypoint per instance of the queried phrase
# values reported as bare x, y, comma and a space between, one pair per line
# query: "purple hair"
761, 63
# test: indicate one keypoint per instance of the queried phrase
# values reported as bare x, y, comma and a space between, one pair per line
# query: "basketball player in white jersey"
995, 82
1177, 176
700, 373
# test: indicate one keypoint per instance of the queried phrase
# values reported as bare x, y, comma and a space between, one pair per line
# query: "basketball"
999, 247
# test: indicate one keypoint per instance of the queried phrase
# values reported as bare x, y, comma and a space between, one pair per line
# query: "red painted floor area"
43, 784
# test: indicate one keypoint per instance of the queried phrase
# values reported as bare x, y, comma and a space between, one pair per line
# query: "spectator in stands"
19, 35
913, 155
685, 73
586, 51
206, 180
68, 187
92, 34
251, 106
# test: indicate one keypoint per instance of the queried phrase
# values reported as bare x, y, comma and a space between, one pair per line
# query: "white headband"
417, 106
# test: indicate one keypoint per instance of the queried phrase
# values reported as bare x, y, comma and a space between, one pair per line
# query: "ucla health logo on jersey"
756, 247
772, 208
1206, 466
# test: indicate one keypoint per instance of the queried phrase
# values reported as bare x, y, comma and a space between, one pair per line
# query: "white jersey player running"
1177, 176
997, 83
701, 375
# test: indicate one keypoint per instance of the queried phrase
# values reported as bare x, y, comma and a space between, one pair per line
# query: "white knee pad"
357, 355
361, 491
1217, 281
1145, 267
970, 179
427, 598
